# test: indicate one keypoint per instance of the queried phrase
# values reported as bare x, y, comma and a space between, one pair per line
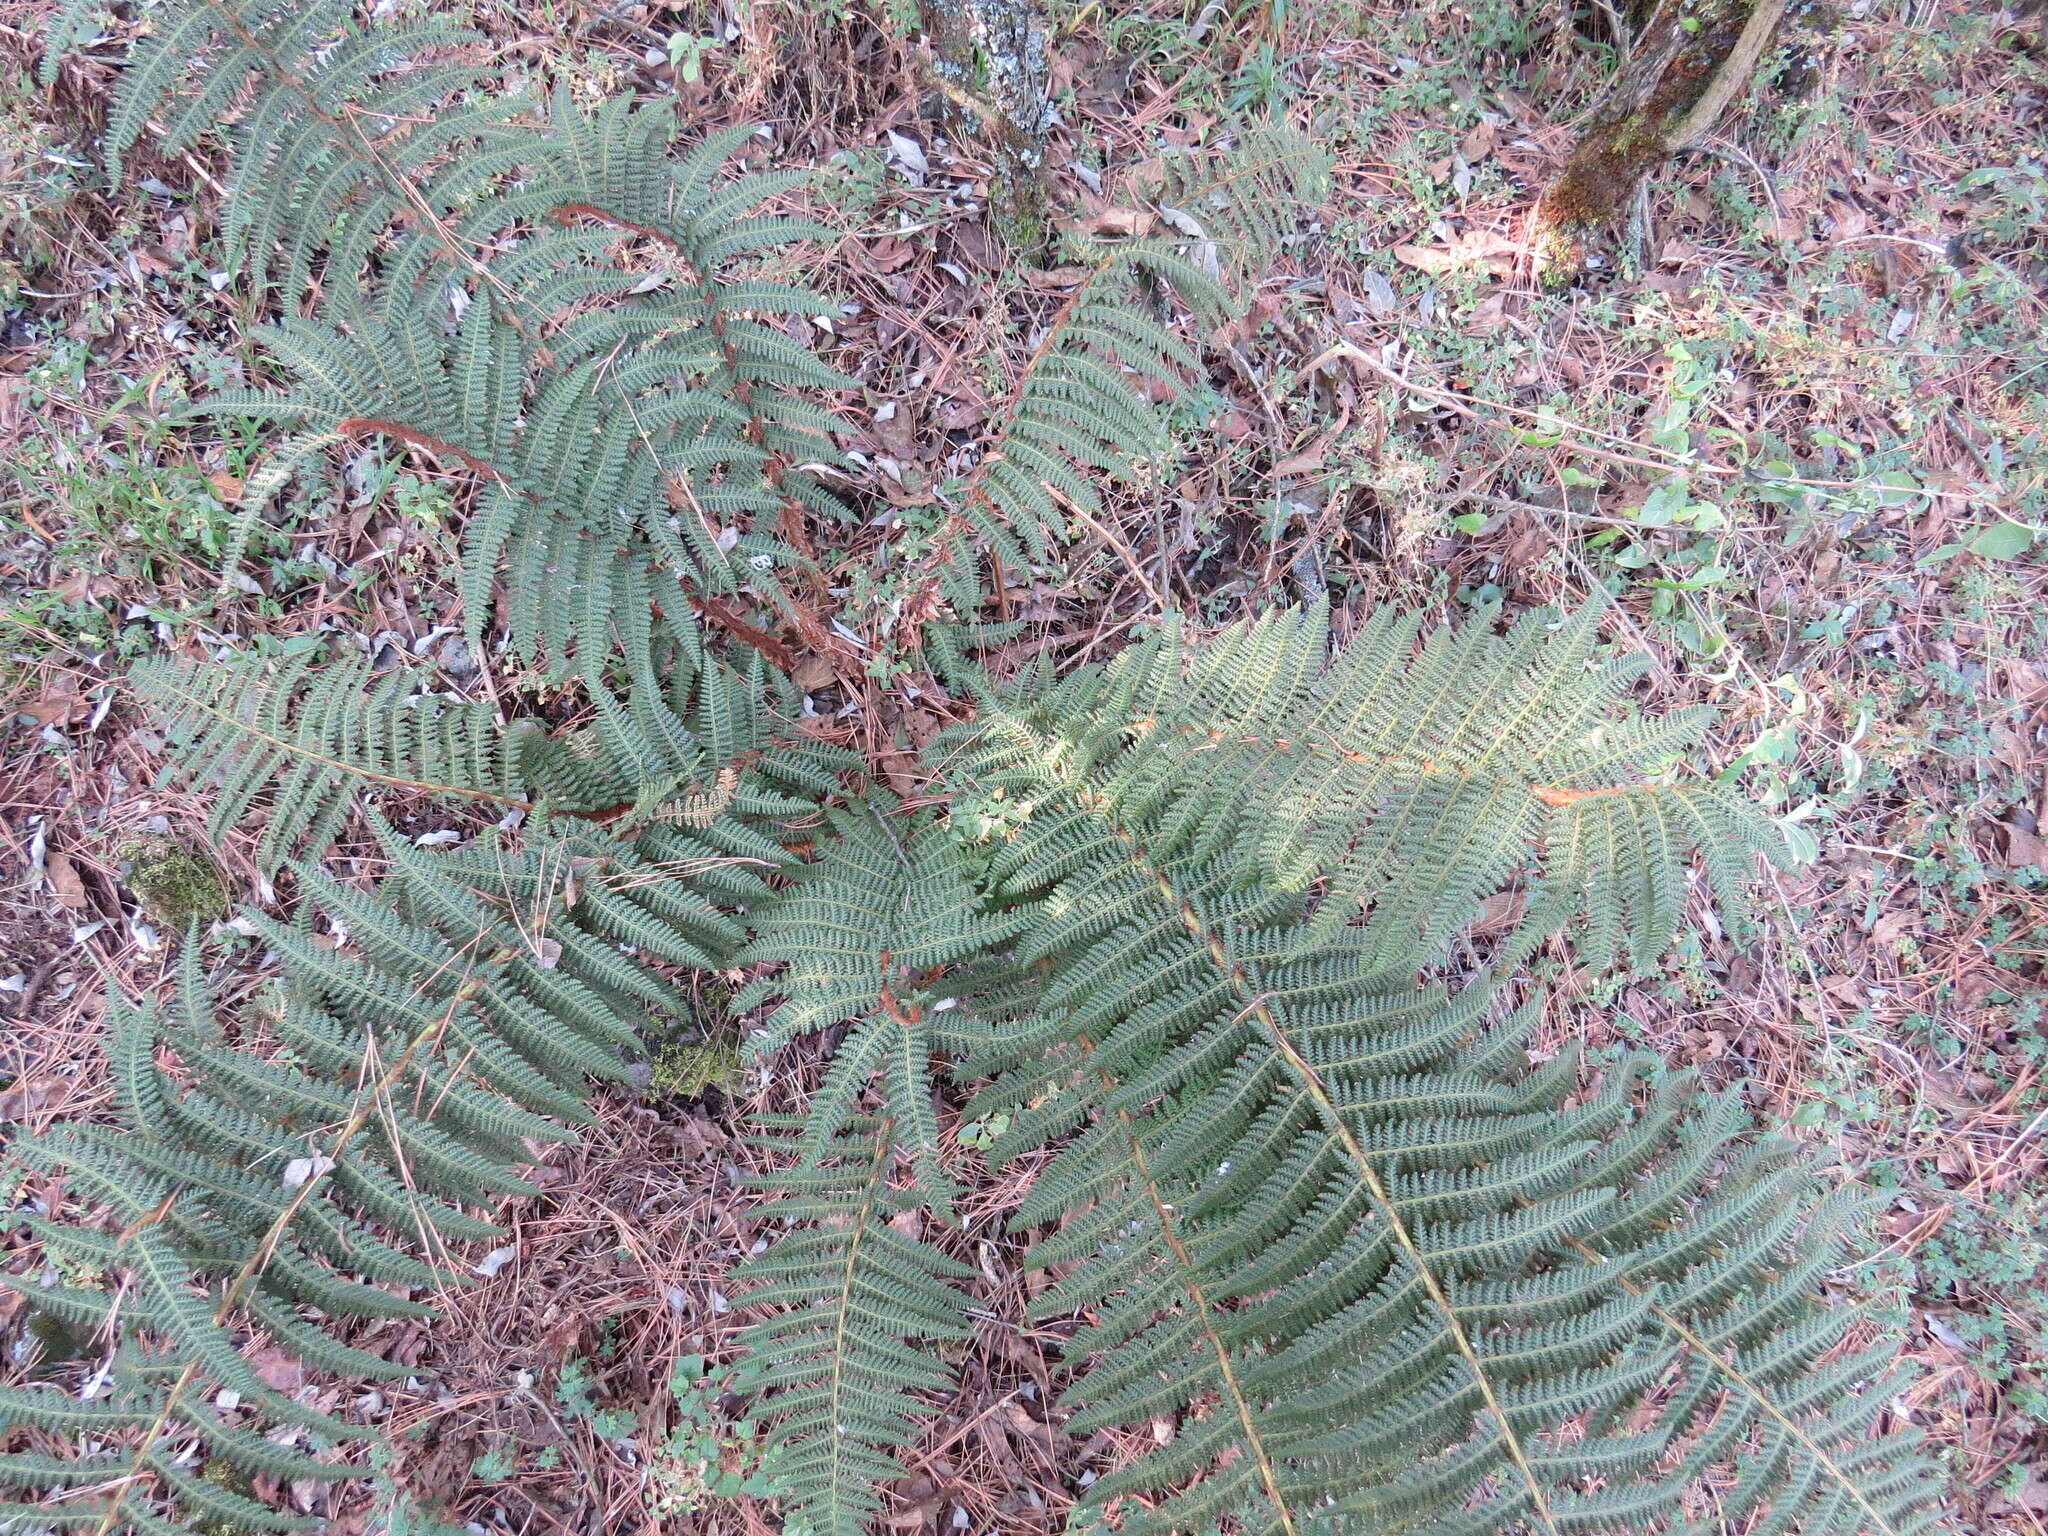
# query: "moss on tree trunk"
1691, 60
990, 62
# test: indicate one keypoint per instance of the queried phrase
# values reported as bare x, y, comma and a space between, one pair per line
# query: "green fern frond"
1413, 777
70, 25
1077, 415
298, 738
299, 735
867, 935
863, 1303
427, 1032
1382, 1273
1234, 207
452, 229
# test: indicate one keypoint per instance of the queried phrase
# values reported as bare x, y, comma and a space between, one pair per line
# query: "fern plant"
1200, 921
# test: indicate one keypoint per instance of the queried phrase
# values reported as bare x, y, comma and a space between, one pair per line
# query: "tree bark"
990, 63
1692, 59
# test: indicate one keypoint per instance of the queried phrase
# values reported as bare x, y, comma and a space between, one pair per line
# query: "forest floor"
1796, 423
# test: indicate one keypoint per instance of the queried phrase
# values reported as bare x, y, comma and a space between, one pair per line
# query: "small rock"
456, 660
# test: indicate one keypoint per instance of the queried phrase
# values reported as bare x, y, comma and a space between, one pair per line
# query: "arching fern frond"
866, 935
591, 475
301, 734
429, 1033
1077, 419
1383, 1274
299, 738
474, 303
433, 1032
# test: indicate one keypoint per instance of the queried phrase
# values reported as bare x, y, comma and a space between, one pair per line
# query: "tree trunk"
990, 61
1691, 60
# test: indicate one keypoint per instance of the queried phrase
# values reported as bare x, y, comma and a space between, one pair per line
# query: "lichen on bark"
989, 61
1690, 61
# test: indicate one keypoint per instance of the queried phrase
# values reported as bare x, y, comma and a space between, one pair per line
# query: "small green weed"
709, 1455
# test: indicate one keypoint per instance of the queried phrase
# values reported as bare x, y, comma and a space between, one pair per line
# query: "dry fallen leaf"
2022, 848
52, 708
1495, 252
1120, 223
911, 1516
1490, 313
64, 881
277, 1370
1026, 1426
1424, 258
889, 254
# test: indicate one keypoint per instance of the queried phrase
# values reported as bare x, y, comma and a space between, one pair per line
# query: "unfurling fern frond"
1385, 1275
